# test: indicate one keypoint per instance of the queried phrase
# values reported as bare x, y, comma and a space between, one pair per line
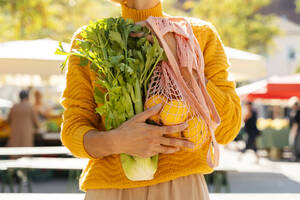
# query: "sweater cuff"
77, 142
217, 95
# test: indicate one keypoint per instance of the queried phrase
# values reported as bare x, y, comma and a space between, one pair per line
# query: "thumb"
142, 117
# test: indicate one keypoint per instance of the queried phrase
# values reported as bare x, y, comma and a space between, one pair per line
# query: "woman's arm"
79, 115
220, 89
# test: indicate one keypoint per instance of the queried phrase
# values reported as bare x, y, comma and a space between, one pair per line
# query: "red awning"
283, 87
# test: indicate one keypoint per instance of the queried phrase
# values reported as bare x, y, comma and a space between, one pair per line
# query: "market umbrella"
246, 66
276, 87
30, 57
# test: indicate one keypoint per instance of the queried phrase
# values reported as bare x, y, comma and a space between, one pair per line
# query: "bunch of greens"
124, 65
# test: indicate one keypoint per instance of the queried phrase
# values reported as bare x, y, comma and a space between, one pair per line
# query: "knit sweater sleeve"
79, 105
221, 90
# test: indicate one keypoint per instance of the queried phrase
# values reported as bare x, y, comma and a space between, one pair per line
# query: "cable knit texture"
80, 116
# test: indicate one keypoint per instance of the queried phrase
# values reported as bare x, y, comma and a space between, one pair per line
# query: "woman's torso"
107, 172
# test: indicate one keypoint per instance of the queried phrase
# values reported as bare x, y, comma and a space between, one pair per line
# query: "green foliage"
238, 22
56, 19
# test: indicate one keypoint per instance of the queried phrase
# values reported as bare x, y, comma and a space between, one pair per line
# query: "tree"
24, 19
239, 22
57, 19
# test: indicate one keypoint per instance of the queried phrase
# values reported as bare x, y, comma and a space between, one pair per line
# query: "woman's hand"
137, 138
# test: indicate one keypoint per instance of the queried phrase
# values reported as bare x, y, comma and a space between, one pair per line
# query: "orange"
193, 132
174, 112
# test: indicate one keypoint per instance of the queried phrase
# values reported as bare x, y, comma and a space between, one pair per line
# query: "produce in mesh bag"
179, 84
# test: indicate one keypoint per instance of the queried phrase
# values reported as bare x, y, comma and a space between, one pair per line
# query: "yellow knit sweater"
80, 116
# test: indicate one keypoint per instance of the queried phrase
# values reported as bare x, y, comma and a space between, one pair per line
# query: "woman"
179, 174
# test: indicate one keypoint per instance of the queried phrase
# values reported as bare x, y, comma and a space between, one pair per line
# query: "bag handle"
213, 153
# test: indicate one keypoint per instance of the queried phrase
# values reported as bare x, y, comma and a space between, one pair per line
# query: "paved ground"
263, 177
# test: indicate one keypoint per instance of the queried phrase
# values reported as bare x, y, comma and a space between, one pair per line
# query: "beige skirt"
191, 187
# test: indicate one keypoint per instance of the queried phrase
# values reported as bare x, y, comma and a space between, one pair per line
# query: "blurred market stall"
273, 95
276, 87
31, 64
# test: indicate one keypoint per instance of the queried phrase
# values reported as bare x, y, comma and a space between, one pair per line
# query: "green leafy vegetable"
124, 65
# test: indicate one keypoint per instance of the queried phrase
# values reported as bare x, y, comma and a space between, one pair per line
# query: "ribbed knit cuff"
77, 142
217, 96
141, 15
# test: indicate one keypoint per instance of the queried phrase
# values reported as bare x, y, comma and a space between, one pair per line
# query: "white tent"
37, 57
246, 66
33, 57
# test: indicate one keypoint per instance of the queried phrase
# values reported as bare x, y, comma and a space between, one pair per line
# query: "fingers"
168, 150
173, 129
178, 143
158, 150
142, 117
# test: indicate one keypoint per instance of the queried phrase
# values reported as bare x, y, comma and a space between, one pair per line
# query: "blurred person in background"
43, 111
49, 120
23, 122
294, 118
250, 128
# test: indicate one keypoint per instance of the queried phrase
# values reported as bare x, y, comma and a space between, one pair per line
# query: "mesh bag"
179, 85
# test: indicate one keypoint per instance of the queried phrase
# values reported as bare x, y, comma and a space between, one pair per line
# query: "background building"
284, 56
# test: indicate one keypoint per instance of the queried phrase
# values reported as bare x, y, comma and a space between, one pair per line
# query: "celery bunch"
124, 65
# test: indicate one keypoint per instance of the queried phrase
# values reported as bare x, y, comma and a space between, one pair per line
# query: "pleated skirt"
191, 187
